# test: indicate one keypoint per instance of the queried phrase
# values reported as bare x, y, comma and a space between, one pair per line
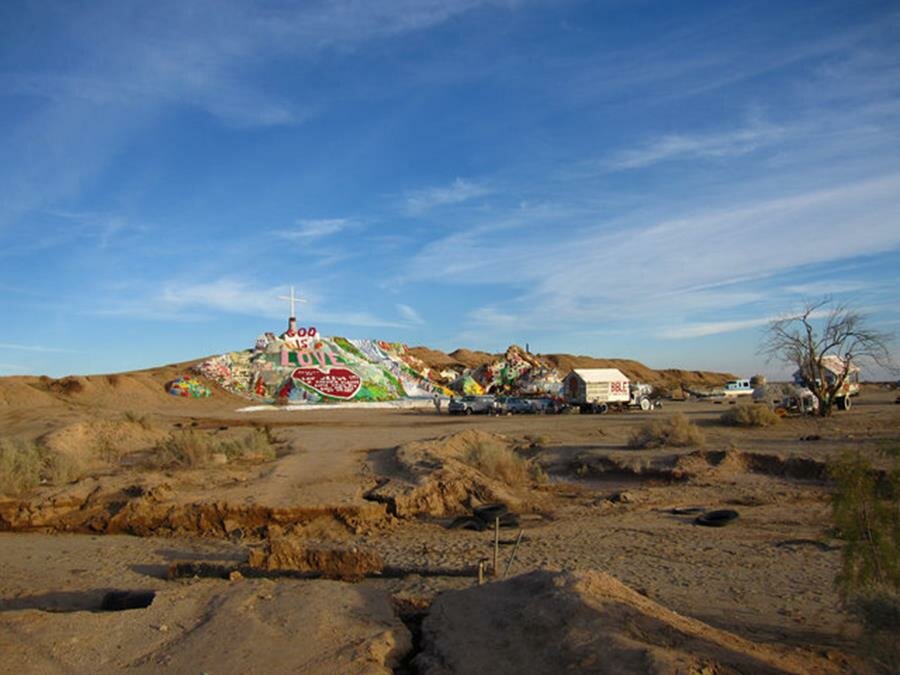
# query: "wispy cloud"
460, 190
306, 229
202, 54
692, 146
411, 315
491, 316
35, 348
697, 261
206, 301
704, 329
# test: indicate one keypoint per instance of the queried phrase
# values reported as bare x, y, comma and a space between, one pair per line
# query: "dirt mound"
20, 392
436, 480
551, 622
153, 508
473, 359
330, 561
698, 464
247, 626
670, 379
434, 358
97, 438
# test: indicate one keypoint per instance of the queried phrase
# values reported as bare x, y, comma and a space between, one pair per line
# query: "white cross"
294, 299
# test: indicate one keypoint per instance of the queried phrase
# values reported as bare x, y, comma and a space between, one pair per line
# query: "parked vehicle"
787, 398
596, 390
513, 405
471, 405
738, 388
835, 367
548, 406
640, 396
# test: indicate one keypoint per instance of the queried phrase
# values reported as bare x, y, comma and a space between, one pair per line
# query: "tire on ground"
718, 518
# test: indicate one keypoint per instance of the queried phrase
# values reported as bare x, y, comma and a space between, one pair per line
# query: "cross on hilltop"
294, 299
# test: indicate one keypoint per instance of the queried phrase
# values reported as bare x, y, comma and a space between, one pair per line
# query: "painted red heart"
335, 382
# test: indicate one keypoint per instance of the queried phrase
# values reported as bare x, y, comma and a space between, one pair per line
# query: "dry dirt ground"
755, 596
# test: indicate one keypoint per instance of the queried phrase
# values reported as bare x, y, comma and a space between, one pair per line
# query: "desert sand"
611, 573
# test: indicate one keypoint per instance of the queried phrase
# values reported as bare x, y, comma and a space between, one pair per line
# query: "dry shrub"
756, 415
191, 449
20, 467
60, 468
186, 448
137, 418
501, 463
866, 513
258, 444
23, 466
678, 431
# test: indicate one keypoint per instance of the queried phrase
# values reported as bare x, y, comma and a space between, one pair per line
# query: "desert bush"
754, 415
137, 418
191, 449
866, 513
20, 467
501, 463
677, 431
186, 448
258, 444
60, 468
24, 466
867, 516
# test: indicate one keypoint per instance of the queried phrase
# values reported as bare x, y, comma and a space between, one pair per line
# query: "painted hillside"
302, 366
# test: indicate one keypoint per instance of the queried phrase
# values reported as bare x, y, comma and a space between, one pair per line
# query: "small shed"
596, 385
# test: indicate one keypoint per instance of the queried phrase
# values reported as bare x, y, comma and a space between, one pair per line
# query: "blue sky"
623, 179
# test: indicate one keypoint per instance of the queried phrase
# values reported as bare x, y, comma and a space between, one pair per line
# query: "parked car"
548, 406
471, 405
513, 405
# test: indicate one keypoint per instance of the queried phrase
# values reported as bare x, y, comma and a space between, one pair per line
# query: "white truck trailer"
596, 390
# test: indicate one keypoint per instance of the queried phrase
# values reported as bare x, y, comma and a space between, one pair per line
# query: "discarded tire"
467, 523
716, 518
488, 512
509, 520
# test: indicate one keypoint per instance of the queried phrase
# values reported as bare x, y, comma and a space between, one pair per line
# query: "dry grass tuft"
754, 415
23, 466
137, 418
678, 431
20, 467
501, 463
192, 449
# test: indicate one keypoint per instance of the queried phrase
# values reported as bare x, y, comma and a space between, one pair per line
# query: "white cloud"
203, 301
693, 146
460, 190
34, 348
492, 317
711, 328
700, 261
411, 315
306, 229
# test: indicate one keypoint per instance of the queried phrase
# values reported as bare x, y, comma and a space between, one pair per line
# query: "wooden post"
481, 571
496, 571
511, 557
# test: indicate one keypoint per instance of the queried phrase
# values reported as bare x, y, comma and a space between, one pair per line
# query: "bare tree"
827, 342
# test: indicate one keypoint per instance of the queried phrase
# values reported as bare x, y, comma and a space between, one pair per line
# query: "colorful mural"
302, 366
188, 387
